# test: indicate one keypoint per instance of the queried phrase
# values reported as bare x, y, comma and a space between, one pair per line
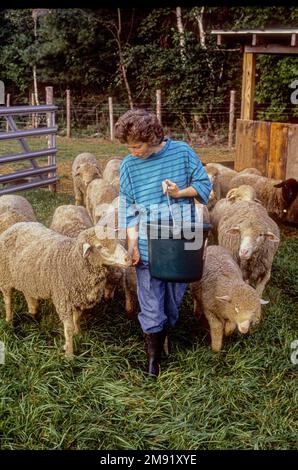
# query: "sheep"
214, 196
14, 209
43, 264
222, 176
107, 214
277, 196
226, 300
225, 175
116, 183
242, 193
99, 191
252, 237
71, 220
111, 170
85, 169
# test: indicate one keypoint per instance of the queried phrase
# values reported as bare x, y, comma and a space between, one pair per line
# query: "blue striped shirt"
141, 186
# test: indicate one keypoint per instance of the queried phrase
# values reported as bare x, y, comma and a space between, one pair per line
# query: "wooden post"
158, 105
68, 124
248, 85
7, 104
34, 116
231, 118
52, 137
111, 118
96, 119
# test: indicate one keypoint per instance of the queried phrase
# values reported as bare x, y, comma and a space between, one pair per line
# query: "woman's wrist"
190, 191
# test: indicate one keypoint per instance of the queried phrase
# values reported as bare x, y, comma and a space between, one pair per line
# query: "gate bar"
27, 155
30, 133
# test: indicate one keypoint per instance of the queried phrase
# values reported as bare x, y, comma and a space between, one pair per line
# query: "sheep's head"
252, 236
244, 192
87, 172
243, 306
101, 249
289, 189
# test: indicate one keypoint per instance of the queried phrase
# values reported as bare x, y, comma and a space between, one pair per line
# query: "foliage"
79, 49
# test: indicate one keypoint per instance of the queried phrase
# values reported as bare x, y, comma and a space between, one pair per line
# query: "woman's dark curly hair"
139, 125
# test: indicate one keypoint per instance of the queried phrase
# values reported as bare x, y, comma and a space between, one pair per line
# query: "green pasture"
244, 397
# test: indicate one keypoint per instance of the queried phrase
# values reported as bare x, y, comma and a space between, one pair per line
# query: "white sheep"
276, 195
226, 300
43, 264
252, 237
14, 209
111, 170
70, 220
225, 175
242, 193
99, 192
85, 168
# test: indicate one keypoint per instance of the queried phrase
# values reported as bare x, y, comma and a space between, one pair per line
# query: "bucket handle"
170, 208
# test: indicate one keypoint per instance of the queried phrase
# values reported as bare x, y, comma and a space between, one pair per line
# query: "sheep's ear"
223, 298
233, 230
86, 249
272, 237
264, 302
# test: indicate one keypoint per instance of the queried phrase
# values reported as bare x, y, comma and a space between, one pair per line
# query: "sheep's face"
102, 250
243, 307
252, 237
113, 278
87, 172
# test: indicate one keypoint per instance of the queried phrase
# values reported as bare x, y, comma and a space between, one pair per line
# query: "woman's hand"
135, 255
173, 189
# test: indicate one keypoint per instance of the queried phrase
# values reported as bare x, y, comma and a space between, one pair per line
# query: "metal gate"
35, 176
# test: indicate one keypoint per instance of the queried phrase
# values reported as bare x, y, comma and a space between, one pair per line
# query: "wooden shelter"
272, 147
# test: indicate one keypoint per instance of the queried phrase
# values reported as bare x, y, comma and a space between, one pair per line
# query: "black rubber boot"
154, 346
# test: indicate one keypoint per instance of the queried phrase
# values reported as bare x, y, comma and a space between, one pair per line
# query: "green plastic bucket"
170, 259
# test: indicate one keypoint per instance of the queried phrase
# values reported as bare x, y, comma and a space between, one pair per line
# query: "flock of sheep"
74, 265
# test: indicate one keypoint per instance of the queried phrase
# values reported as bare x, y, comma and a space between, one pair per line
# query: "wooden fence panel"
261, 146
278, 150
292, 160
271, 147
244, 144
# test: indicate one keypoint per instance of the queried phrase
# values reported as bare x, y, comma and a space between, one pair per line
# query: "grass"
244, 397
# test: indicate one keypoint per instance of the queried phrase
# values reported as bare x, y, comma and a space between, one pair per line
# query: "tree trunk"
122, 65
181, 35
36, 98
199, 18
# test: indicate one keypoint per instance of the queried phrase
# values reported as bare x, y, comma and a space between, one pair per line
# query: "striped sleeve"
199, 179
127, 212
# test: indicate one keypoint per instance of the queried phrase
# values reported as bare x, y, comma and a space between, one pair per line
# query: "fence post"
52, 137
158, 105
34, 116
111, 118
7, 104
231, 118
68, 124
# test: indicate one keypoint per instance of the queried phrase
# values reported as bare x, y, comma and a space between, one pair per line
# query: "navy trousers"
159, 300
